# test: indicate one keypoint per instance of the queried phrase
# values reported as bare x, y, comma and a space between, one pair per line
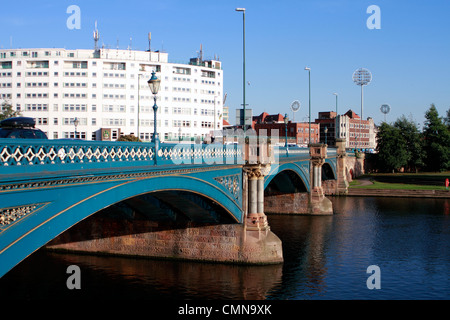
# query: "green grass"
394, 186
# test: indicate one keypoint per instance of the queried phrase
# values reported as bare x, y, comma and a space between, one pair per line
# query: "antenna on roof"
96, 37
149, 41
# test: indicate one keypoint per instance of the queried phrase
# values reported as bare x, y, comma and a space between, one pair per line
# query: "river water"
325, 258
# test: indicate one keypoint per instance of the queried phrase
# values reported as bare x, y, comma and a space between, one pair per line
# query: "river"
325, 258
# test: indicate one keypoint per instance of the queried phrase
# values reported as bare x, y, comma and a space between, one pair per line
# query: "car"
20, 128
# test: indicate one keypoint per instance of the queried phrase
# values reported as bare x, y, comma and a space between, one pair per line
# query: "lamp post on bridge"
243, 63
75, 123
286, 120
154, 84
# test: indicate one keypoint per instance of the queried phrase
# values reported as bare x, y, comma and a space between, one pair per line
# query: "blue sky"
409, 57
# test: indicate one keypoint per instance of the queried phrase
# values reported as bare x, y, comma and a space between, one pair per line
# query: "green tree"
413, 142
447, 119
7, 111
436, 141
391, 151
128, 137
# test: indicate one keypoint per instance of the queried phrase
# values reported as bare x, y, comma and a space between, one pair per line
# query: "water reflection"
109, 277
326, 257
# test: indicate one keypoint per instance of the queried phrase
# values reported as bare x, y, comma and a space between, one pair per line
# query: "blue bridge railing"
32, 155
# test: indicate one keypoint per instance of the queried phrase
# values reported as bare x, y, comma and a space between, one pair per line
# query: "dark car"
20, 128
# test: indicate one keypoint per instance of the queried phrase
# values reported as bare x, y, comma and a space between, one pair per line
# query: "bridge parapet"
24, 156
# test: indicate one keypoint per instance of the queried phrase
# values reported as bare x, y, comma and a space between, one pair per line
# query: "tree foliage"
413, 143
436, 141
129, 137
402, 146
390, 156
7, 111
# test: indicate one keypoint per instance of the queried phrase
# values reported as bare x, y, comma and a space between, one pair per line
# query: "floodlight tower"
385, 108
361, 77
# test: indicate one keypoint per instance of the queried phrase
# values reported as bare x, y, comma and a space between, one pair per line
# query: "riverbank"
399, 193
422, 185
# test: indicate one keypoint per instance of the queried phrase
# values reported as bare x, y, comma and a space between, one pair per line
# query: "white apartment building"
106, 91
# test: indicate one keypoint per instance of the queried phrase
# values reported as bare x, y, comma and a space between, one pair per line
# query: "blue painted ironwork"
47, 186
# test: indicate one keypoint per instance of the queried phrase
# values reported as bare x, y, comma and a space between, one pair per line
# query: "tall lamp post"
326, 133
286, 120
309, 82
154, 84
139, 106
243, 65
335, 119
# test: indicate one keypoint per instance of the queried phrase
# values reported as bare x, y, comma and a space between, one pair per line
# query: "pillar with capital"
256, 219
318, 203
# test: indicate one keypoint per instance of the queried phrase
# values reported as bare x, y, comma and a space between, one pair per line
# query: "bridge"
200, 201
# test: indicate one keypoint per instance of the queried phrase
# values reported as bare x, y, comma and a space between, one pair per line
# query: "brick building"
297, 132
358, 133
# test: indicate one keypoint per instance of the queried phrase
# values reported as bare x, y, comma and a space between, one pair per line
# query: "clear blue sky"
409, 57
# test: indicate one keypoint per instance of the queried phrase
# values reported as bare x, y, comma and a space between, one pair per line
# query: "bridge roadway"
50, 186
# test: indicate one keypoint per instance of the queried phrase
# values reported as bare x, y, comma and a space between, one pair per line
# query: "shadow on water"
44, 274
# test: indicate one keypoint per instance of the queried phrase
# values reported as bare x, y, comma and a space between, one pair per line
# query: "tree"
413, 142
391, 148
7, 111
128, 137
447, 119
436, 141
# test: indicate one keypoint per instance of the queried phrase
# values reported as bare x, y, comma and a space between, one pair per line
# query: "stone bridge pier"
318, 203
341, 175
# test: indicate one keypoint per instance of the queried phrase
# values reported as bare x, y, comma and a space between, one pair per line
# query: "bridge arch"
328, 171
300, 179
71, 205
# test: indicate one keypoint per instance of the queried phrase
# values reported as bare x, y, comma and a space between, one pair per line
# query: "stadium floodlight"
361, 77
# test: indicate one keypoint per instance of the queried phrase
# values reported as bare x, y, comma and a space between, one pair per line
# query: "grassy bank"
423, 178
356, 184
402, 181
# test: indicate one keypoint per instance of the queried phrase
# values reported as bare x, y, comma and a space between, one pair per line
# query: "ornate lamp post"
75, 123
154, 84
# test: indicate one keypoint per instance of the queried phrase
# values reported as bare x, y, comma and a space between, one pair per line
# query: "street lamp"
138, 106
326, 132
154, 84
286, 120
309, 81
76, 122
243, 65
336, 102
335, 120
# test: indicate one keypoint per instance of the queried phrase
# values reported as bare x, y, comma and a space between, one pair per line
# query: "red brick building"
297, 132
